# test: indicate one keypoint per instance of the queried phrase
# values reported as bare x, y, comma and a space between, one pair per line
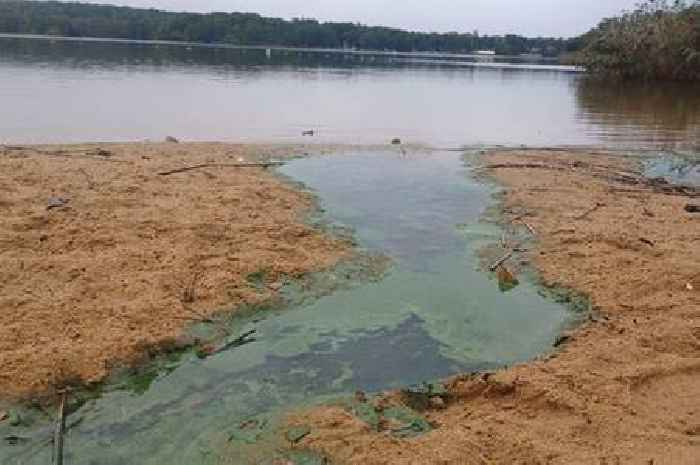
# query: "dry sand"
101, 282
625, 389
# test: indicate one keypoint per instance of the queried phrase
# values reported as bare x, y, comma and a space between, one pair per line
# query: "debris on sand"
297, 433
57, 202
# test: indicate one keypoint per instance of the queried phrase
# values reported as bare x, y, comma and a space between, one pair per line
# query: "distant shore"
527, 58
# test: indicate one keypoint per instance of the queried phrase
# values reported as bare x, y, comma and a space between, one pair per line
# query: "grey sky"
527, 17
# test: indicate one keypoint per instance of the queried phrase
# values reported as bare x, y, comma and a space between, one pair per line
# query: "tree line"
659, 40
104, 21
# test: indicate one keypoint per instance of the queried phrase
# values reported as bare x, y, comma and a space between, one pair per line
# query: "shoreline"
110, 252
602, 397
282, 48
624, 386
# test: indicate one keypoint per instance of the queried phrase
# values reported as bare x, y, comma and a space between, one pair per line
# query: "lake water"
433, 314
76, 91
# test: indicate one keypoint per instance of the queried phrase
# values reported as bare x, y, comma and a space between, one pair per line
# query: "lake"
432, 313
75, 91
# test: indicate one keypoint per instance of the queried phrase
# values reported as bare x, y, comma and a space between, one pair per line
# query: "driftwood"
60, 430
589, 211
222, 165
501, 261
530, 228
239, 341
523, 166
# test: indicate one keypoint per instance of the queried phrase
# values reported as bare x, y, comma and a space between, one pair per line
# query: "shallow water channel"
433, 313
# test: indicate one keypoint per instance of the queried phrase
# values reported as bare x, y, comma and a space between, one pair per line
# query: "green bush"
657, 41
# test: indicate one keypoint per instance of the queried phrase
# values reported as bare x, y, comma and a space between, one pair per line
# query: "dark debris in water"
249, 431
297, 433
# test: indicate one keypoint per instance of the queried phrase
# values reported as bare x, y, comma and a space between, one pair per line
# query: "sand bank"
104, 262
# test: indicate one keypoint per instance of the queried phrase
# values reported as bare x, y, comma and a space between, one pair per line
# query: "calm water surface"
58, 91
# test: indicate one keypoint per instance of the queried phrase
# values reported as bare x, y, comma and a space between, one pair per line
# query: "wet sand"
624, 388
133, 258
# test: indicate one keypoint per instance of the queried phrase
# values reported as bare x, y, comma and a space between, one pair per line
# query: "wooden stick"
60, 429
530, 228
589, 211
523, 166
501, 261
223, 165
239, 341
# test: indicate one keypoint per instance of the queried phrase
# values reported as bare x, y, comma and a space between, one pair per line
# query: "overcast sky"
527, 17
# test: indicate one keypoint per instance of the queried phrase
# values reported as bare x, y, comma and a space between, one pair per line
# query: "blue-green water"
435, 313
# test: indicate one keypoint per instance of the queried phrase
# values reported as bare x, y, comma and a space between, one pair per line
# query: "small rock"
57, 202
561, 340
275, 286
690, 208
437, 403
172, 140
4, 416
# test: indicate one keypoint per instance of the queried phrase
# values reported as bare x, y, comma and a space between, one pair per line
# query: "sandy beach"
105, 262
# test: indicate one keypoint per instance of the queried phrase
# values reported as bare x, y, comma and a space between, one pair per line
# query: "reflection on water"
59, 91
434, 314
655, 114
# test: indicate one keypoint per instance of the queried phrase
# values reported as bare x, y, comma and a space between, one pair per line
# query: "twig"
523, 166
530, 228
589, 211
501, 261
239, 341
59, 431
223, 165
196, 319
